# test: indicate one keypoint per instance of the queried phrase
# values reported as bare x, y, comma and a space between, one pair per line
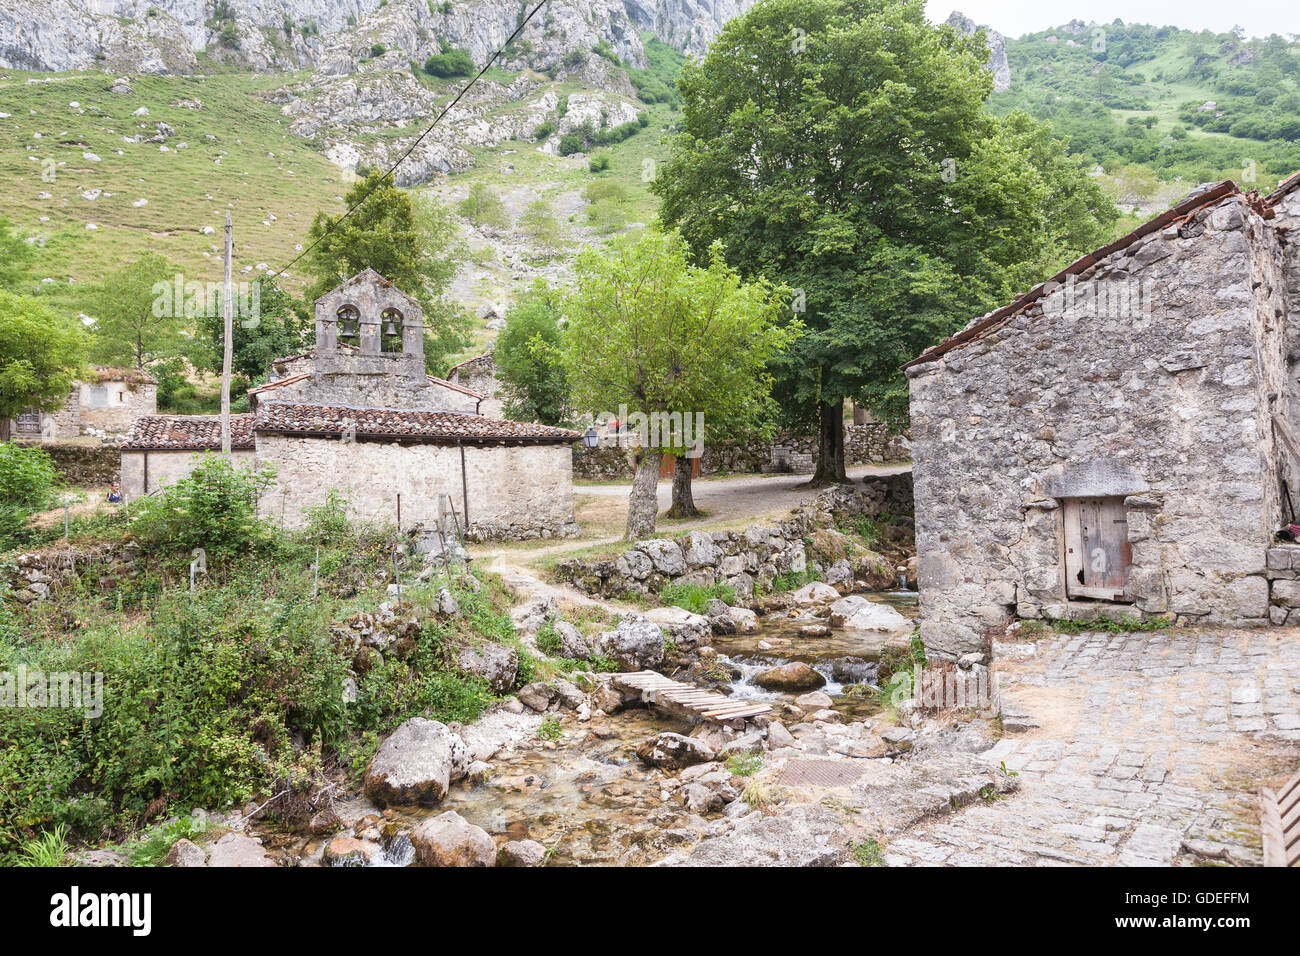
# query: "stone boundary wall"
1283, 574
865, 444
35, 574
741, 559
86, 464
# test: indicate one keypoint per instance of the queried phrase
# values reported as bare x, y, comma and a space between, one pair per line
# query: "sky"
1017, 17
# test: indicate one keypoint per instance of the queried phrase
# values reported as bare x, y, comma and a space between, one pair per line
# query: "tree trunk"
683, 505
830, 447
4, 428
643, 503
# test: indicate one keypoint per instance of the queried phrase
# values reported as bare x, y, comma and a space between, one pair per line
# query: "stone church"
1120, 441
359, 415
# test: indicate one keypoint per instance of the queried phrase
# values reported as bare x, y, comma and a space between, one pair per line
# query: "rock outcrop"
997, 64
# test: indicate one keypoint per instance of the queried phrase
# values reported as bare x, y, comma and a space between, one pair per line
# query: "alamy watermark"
667, 430
945, 687
175, 298
1106, 298
73, 690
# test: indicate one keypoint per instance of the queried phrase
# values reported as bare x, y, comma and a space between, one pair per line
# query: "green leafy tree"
539, 224
412, 244
133, 323
15, 257
527, 357
281, 327
647, 329
483, 207
41, 355
852, 160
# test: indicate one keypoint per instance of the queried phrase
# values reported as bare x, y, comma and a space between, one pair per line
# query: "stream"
587, 797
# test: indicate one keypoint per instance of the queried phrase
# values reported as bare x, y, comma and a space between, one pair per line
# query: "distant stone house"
480, 375
359, 415
1120, 440
109, 401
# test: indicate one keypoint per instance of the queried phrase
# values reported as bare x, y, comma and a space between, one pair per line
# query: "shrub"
378, 50
548, 639
598, 164
696, 597
544, 131
483, 206
452, 63
27, 476
214, 508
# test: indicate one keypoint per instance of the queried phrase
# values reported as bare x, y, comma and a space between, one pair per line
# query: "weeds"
744, 765
869, 852
550, 729
48, 849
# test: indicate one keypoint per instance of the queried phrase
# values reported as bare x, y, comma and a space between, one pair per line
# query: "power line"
419, 139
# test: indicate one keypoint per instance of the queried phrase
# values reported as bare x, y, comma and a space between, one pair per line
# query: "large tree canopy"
527, 357
133, 325
41, 355
410, 243
841, 147
647, 329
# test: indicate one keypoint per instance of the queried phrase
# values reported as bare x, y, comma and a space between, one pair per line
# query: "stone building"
107, 403
1120, 440
479, 374
359, 415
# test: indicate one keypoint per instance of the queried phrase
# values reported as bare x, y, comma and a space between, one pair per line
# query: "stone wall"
514, 491
112, 407
741, 559
371, 389
1168, 408
869, 443
85, 464
163, 468
479, 375
35, 575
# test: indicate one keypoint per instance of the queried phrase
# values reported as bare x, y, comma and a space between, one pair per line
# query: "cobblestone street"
1132, 749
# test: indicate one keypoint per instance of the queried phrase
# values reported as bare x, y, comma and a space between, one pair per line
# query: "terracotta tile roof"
188, 433
994, 319
1284, 187
417, 425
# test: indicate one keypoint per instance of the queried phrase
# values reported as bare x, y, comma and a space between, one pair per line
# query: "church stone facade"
359, 415
1120, 441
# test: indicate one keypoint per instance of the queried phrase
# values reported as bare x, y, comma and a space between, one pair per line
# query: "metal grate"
807, 772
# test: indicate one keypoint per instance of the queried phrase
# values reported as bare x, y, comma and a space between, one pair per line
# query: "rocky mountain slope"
176, 36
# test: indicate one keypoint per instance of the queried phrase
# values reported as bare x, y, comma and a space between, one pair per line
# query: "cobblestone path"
1148, 749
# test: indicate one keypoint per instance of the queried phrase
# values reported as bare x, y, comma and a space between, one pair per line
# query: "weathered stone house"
109, 401
359, 415
1119, 441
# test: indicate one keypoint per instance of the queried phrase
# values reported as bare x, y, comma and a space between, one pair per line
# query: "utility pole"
227, 352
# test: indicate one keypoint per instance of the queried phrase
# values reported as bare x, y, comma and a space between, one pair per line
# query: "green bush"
214, 508
598, 164
696, 597
451, 63
483, 206
27, 476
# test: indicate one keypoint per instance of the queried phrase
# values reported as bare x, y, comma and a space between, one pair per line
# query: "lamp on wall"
590, 438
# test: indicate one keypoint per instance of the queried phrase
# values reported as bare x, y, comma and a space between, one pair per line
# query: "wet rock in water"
814, 700
674, 751
636, 643
716, 608
521, 853
238, 850
450, 840
608, 698
349, 851
814, 630
792, 676
852, 670
778, 736
494, 663
857, 613
815, 593
828, 716
416, 764
811, 835
746, 620
325, 822
683, 627
840, 575
185, 853
572, 644
538, 696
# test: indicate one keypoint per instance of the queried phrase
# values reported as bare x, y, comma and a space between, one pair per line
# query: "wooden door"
1097, 550
28, 423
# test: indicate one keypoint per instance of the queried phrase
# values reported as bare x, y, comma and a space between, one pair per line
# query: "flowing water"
588, 798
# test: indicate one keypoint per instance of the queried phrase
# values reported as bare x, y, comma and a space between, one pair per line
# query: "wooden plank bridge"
687, 700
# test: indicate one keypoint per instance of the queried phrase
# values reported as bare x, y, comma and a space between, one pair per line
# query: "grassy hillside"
1133, 99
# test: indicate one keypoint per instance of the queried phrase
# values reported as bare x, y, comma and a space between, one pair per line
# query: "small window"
98, 396
1098, 554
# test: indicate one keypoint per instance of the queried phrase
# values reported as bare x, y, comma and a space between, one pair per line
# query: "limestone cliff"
997, 64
